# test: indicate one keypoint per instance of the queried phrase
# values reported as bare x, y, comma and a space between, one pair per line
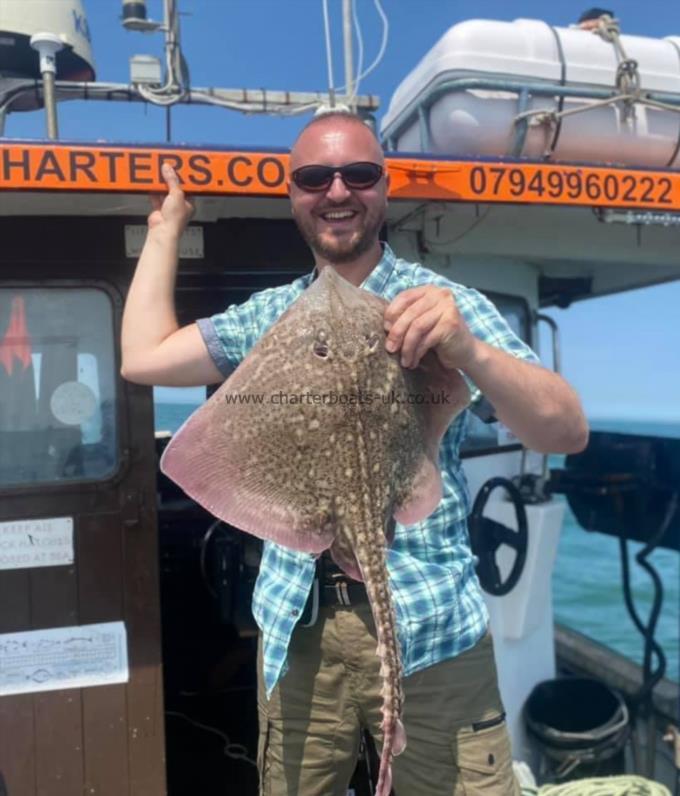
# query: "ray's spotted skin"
320, 439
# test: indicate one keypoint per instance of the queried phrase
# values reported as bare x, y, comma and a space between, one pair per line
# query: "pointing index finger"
170, 177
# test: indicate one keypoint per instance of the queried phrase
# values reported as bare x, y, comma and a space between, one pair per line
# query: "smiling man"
318, 674
340, 223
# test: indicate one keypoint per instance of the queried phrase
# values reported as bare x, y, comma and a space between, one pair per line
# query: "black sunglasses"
356, 176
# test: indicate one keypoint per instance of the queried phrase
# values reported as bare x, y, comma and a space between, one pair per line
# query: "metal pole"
3, 119
347, 38
169, 26
47, 46
50, 105
557, 367
555, 335
424, 126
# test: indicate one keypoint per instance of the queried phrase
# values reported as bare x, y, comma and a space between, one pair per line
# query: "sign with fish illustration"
55, 658
336, 467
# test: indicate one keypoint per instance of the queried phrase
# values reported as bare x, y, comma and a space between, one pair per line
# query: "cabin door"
81, 698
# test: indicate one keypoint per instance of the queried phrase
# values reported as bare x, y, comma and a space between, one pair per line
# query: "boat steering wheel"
487, 535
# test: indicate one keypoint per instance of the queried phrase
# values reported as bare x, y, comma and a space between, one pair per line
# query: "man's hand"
154, 349
424, 318
172, 211
540, 408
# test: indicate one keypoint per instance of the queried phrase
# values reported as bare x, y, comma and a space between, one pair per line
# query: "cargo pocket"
263, 760
484, 761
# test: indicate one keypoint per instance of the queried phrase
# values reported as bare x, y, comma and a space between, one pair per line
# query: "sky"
622, 353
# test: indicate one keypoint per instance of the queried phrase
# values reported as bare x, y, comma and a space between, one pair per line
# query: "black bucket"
581, 726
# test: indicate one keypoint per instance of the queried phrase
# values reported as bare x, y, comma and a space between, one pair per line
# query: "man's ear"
290, 198
387, 185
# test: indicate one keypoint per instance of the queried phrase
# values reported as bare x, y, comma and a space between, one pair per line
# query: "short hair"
325, 113
595, 13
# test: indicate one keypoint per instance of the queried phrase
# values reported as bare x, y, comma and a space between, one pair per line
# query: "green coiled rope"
602, 786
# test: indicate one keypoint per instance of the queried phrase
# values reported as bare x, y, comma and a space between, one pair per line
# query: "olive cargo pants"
456, 739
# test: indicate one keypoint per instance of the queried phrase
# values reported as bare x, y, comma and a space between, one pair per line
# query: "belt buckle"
341, 591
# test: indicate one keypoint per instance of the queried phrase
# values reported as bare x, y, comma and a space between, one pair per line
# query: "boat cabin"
126, 640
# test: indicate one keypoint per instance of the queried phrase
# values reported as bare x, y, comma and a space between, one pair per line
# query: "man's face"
339, 223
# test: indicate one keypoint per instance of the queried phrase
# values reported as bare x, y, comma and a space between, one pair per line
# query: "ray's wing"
255, 459
446, 395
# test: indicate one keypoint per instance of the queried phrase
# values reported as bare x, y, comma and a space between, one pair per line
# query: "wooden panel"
58, 742
58, 722
54, 597
100, 577
147, 732
105, 750
17, 764
16, 712
15, 602
142, 613
100, 565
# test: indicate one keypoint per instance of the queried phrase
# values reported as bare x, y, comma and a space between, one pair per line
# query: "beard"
338, 251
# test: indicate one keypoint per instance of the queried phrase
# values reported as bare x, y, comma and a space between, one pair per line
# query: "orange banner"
137, 170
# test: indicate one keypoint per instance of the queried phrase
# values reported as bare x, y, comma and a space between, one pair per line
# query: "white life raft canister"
469, 121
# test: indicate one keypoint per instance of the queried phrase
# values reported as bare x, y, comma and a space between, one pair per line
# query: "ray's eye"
372, 340
320, 347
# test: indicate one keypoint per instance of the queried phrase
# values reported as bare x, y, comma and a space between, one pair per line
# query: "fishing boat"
127, 646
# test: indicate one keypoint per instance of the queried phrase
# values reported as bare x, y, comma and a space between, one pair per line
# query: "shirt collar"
376, 281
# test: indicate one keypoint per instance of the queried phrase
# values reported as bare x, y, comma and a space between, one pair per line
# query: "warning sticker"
25, 544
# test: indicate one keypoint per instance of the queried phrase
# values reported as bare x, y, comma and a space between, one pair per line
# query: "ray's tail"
372, 562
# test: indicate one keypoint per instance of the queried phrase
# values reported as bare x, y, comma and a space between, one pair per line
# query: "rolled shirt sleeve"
230, 335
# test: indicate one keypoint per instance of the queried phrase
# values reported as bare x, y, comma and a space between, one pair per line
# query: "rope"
627, 84
627, 74
627, 785
560, 102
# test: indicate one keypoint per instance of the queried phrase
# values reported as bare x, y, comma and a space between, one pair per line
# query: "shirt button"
294, 612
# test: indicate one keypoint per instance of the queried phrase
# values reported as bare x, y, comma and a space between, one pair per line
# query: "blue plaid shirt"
439, 604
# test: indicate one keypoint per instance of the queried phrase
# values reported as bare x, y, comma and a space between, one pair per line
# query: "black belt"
335, 586
340, 589
331, 586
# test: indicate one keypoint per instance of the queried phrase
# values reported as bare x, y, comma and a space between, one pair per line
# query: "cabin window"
57, 386
489, 436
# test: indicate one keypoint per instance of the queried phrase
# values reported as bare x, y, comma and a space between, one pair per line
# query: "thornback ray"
320, 439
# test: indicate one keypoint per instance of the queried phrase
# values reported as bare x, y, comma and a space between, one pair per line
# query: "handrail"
418, 108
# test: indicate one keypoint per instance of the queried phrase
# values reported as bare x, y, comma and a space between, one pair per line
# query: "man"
590, 19
319, 681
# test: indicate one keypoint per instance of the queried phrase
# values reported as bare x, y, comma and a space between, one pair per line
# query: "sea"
587, 585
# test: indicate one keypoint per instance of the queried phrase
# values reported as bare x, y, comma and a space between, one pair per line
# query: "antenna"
175, 85
347, 34
163, 84
135, 18
48, 45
